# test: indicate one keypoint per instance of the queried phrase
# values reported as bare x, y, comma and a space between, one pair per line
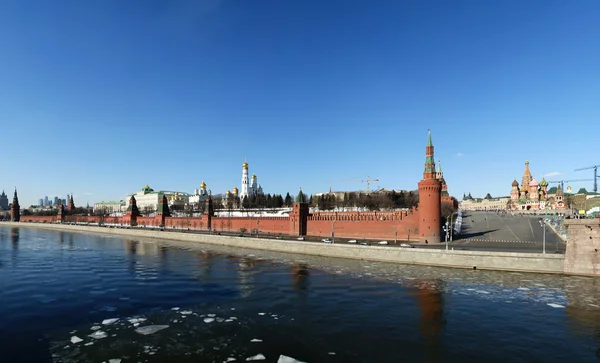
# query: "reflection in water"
583, 310
431, 304
71, 240
300, 276
14, 237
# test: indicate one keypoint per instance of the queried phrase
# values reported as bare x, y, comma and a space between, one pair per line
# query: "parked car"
406, 245
326, 240
383, 242
364, 243
352, 241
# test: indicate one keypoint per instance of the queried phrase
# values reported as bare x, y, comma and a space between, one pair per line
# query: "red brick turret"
15, 209
430, 189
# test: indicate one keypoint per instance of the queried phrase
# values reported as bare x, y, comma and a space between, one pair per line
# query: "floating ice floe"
150, 329
136, 320
211, 315
209, 320
95, 327
109, 321
185, 312
98, 334
256, 357
261, 313
286, 359
331, 353
230, 359
76, 339
556, 305
108, 308
256, 341
117, 360
88, 344
175, 309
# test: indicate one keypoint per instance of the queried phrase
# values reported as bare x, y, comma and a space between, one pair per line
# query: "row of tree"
371, 201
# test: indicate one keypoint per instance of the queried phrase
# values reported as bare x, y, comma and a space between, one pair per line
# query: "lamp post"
543, 224
447, 233
333, 232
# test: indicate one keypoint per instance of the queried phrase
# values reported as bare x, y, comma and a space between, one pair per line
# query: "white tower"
244, 192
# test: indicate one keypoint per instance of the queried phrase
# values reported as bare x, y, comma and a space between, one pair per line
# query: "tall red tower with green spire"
430, 189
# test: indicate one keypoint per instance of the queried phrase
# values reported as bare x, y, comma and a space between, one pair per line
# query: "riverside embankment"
502, 261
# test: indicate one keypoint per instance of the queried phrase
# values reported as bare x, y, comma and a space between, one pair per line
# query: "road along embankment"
502, 261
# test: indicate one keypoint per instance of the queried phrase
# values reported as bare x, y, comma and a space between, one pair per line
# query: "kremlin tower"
430, 189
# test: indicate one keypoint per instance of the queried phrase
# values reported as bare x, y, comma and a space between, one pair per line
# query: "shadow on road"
476, 234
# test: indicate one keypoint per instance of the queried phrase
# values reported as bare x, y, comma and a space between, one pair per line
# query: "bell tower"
430, 189
15, 209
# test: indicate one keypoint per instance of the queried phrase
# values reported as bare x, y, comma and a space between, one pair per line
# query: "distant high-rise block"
45, 201
64, 202
55, 202
41, 202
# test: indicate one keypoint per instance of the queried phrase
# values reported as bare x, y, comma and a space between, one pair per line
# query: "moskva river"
68, 297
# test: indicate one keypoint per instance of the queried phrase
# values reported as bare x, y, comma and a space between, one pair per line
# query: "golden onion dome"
203, 185
253, 176
228, 192
245, 165
235, 190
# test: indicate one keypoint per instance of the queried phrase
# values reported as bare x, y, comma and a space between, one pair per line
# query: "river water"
70, 297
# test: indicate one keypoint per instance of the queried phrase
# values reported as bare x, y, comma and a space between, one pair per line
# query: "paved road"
498, 232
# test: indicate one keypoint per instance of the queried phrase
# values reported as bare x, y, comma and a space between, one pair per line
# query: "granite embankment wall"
527, 262
583, 247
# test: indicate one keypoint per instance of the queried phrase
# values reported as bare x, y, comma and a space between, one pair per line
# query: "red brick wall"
186, 222
39, 219
276, 225
371, 225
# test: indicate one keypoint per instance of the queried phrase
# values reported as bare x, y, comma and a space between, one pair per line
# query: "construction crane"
561, 182
368, 181
595, 167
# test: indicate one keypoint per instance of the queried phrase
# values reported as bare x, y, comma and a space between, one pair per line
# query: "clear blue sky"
99, 98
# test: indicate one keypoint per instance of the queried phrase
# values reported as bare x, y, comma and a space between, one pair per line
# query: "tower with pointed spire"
71, 205
430, 189
15, 208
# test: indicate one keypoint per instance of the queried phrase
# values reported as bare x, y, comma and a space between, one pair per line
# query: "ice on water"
286, 359
150, 329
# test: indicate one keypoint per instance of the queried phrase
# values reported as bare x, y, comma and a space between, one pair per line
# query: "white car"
352, 241
326, 240
383, 242
406, 245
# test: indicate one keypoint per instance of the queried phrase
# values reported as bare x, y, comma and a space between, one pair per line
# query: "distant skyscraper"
45, 201
55, 202
3, 201
64, 202
40, 202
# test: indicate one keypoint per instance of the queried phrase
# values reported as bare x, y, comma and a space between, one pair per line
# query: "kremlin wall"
422, 223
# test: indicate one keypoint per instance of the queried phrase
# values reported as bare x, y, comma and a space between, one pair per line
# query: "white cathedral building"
248, 188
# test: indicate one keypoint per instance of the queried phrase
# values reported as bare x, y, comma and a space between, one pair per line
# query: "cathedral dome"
245, 165
543, 183
515, 183
534, 183
235, 190
228, 192
203, 185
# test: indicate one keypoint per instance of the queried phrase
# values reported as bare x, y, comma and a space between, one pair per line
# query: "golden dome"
235, 190
203, 185
228, 192
245, 165
253, 176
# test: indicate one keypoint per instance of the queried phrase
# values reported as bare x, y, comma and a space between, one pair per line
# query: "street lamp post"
333, 232
447, 233
543, 224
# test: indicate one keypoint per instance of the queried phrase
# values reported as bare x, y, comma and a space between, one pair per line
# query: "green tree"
288, 200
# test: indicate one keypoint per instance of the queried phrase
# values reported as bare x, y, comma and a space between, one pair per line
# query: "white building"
249, 189
147, 199
199, 196
110, 208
